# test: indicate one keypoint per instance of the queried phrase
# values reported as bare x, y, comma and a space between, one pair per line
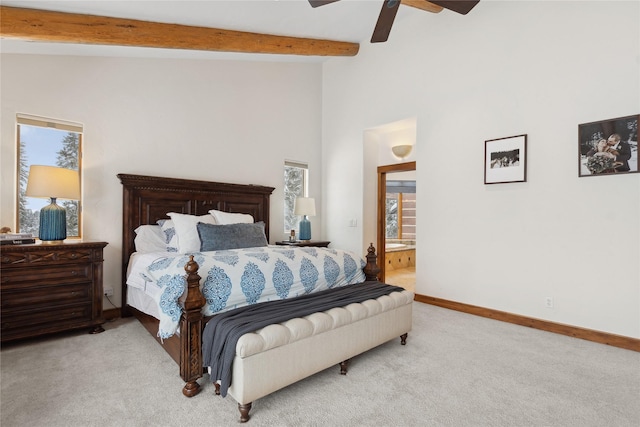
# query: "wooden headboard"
146, 199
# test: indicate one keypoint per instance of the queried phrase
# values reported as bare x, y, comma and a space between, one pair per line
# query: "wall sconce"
54, 183
402, 151
305, 206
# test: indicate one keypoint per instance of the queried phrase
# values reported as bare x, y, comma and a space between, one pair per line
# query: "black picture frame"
505, 160
598, 152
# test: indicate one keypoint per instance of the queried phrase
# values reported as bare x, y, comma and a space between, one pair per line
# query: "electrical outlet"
108, 292
548, 302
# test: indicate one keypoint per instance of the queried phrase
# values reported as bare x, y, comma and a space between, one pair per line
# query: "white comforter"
239, 277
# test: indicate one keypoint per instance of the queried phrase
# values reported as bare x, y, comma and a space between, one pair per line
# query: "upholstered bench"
281, 354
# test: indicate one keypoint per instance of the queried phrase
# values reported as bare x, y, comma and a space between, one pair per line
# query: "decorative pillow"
188, 240
170, 236
150, 238
223, 218
231, 236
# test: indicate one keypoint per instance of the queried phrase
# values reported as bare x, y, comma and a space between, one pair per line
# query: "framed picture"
505, 160
608, 147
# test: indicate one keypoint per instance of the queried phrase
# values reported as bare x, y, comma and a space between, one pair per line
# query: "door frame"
381, 208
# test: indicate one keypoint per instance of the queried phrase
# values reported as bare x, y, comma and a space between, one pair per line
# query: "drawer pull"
74, 273
74, 255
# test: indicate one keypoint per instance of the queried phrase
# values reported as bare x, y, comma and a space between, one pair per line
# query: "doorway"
396, 222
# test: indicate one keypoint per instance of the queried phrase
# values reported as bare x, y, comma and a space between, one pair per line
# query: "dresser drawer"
46, 319
33, 296
44, 256
70, 273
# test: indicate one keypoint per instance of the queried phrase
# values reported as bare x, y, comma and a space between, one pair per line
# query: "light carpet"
456, 370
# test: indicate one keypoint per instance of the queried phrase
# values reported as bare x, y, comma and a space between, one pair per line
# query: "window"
296, 184
401, 210
48, 142
392, 226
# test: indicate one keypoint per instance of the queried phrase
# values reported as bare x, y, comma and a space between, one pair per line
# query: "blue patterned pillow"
215, 237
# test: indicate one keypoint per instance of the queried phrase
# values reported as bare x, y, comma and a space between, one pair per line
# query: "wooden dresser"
49, 288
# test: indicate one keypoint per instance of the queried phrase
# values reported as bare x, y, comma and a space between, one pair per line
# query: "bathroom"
400, 236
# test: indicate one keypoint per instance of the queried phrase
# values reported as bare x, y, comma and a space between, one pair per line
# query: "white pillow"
225, 218
150, 238
187, 231
170, 235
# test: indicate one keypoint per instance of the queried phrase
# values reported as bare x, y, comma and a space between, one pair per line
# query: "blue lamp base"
305, 229
53, 223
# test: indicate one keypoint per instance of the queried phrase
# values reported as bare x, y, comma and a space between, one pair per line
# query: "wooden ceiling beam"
424, 5
58, 27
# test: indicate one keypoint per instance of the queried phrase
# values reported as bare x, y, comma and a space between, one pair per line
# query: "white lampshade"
402, 151
305, 206
51, 181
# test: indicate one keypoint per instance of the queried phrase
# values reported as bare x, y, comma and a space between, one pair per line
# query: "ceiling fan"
390, 8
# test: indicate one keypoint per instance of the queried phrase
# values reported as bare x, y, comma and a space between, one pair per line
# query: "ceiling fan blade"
460, 6
316, 3
423, 5
385, 21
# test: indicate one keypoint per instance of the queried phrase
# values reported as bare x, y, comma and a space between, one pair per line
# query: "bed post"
371, 270
192, 302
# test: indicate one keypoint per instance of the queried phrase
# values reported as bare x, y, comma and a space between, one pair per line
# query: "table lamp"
54, 183
305, 206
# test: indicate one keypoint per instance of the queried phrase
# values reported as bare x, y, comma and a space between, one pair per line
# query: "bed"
146, 202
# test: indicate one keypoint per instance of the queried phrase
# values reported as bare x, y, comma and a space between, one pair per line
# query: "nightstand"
48, 288
303, 243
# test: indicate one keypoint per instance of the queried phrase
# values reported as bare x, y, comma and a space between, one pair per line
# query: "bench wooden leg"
344, 366
244, 412
403, 339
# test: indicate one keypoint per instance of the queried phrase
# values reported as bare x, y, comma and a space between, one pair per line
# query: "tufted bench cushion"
280, 334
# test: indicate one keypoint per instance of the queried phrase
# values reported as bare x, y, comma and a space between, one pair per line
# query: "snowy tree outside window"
48, 142
295, 185
392, 223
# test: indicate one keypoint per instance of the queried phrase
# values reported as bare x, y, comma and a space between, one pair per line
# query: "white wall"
508, 68
219, 121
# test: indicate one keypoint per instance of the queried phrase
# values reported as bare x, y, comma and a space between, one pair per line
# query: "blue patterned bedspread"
241, 277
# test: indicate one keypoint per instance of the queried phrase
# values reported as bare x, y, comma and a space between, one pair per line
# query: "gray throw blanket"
222, 332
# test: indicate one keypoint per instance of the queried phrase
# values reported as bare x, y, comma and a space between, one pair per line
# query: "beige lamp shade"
51, 181
305, 206
402, 151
